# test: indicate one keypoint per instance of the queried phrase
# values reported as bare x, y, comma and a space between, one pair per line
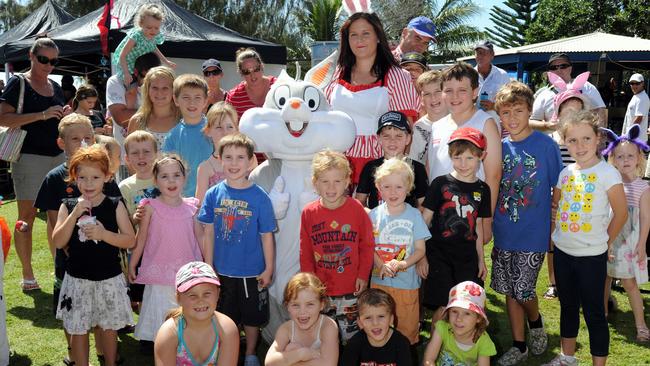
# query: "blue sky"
483, 20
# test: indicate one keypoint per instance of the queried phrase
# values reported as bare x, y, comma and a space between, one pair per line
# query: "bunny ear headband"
632, 136
356, 6
566, 92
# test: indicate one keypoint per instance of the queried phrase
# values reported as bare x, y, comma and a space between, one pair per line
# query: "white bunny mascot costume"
295, 122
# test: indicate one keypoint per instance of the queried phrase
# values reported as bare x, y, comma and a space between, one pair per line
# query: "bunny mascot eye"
281, 95
312, 98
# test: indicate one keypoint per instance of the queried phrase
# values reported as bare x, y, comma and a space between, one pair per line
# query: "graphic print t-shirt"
456, 206
522, 219
583, 210
239, 216
336, 245
395, 238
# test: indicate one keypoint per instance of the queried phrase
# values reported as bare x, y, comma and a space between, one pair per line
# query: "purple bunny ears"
632, 136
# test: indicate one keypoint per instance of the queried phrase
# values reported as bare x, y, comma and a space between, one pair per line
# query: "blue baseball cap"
423, 26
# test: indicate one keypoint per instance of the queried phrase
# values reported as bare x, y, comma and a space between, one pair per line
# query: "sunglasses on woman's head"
558, 67
250, 71
212, 73
44, 60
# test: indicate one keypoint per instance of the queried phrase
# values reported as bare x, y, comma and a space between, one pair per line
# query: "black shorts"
243, 301
447, 268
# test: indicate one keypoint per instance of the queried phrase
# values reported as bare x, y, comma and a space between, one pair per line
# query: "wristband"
43, 113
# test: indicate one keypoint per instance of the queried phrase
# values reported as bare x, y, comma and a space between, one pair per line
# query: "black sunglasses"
44, 60
212, 73
558, 67
249, 71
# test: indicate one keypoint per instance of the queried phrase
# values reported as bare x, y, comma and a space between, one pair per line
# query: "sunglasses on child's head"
216, 72
558, 67
44, 60
250, 71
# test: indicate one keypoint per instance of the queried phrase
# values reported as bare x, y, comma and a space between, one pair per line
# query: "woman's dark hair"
384, 58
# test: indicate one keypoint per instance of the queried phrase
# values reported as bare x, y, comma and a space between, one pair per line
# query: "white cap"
636, 77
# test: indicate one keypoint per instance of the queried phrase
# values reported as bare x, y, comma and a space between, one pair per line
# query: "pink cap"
195, 273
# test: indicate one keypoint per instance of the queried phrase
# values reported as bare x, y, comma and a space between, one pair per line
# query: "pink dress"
171, 242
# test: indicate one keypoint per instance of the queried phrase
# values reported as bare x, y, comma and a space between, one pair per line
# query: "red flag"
104, 26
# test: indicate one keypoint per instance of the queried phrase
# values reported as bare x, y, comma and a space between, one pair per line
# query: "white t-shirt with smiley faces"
583, 213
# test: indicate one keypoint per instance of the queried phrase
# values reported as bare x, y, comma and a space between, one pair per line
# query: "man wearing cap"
213, 73
637, 109
541, 118
490, 77
415, 63
416, 37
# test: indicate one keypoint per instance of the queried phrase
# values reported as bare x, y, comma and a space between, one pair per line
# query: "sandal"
551, 292
67, 361
29, 285
642, 334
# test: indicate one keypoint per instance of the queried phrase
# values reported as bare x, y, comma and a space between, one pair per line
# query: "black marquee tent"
187, 35
47, 16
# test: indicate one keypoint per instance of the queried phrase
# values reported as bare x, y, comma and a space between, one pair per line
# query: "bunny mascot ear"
321, 74
356, 6
580, 81
557, 82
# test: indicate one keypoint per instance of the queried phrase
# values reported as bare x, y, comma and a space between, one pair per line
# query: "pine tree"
511, 22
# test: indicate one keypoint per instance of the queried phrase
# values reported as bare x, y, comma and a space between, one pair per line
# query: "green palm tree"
455, 34
319, 19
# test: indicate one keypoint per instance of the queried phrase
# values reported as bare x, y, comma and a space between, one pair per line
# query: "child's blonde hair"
428, 77
217, 113
168, 159
396, 166
304, 281
190, 81
91, 155
149, 10
140, 136
376, 297
73, 119
110, 145
580, 118
640, 163
146, 107
514, 92
479, 329
328, 159
237, 140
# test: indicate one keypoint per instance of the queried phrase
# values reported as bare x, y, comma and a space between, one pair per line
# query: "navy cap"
211, 63
394, 119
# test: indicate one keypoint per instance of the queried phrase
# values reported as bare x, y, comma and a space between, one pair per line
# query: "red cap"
470, 134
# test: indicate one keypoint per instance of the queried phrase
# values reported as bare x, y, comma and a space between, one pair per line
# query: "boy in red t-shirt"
336, 241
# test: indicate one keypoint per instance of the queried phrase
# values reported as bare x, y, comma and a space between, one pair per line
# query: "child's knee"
629, 284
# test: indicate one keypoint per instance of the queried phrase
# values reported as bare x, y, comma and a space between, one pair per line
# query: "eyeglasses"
212, 73
559, 67
44, 60
634, 83
249, 71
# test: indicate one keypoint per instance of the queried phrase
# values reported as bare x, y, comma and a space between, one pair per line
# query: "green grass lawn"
36, 338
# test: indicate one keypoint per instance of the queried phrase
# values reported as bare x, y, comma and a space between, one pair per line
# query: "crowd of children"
413, 235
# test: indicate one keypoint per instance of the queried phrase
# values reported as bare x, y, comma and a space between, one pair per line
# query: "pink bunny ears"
632, 136
566, 92
357, 6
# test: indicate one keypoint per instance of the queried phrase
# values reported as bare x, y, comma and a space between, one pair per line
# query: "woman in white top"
367, 83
